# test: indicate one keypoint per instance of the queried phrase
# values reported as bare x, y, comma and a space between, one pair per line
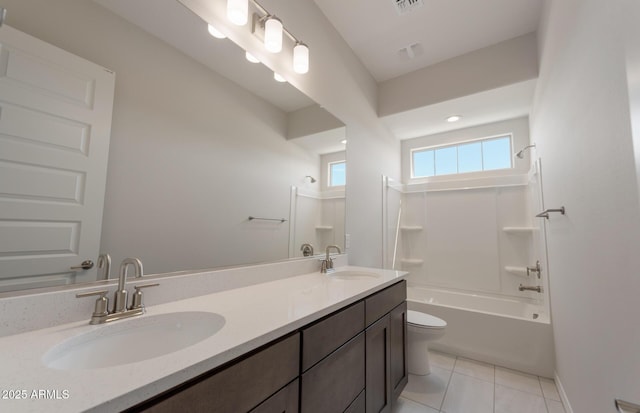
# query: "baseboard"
563, 395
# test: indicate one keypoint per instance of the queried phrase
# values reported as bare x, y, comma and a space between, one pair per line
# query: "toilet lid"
425, 320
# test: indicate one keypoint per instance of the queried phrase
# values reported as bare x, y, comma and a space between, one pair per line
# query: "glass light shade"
278, 77
273, 34
238, 11
251, 58
301, 58
216, 33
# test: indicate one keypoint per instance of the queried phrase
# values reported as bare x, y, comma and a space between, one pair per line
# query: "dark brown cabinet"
351, 361
386, 355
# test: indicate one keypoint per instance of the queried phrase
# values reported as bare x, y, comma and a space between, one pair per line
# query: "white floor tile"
477, 369
519, 381
468, 395
515, 401
428, 390
403, 405
549, 389
442, 360
554, 406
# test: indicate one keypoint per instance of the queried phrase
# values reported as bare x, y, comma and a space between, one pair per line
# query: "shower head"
311, 178
521, 153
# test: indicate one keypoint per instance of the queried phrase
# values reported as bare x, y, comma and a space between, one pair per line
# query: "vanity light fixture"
251, 58
454, 118
279, 78
301, 58
215, 32
238, 11
273, 34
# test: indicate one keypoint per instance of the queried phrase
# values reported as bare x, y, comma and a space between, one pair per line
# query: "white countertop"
255, 315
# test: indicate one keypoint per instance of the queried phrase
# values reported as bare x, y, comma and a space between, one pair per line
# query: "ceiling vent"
406, 6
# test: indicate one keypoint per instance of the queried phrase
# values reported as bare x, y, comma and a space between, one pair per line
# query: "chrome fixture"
3, 15
626, 407
327, 263
535, 269
537, 288
311, 179
120, 297
84, 265
267, 219
101, 312
545, 213
521, 153
104, 262
307, 250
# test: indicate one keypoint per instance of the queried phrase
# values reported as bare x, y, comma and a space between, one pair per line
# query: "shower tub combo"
497, 330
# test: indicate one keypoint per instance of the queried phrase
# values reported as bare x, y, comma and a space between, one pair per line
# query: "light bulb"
216, 33
251, 58
273, 34
278, 77
301, 58
454, 118
238, 11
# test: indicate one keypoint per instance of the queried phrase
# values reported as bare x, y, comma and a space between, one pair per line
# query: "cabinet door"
284, 401
399, 374
378, 383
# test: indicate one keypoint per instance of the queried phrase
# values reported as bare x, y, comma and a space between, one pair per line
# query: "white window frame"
344, 161
456, 144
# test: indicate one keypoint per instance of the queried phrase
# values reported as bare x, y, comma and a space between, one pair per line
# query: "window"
337, 173
481, 155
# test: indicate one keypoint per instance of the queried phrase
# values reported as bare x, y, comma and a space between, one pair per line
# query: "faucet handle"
102, 303
136, 300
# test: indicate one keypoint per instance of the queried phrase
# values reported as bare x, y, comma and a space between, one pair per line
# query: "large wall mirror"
200, 141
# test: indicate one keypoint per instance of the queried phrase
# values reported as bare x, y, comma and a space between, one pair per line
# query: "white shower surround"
493, 329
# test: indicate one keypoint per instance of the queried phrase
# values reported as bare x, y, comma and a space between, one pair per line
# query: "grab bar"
267, 219
626, 407
545, 213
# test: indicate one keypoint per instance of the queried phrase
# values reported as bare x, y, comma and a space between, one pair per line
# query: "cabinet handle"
85, 265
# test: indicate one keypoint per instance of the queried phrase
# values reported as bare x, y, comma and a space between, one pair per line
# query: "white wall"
582, 127
192, 154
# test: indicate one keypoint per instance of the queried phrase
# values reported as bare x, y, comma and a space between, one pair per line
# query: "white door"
55, 125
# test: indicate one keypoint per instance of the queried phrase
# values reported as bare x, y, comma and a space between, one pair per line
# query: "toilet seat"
424, 320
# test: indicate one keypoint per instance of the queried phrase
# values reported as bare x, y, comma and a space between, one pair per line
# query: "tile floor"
459, 385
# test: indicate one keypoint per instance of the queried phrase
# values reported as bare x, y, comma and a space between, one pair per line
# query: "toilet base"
418, 355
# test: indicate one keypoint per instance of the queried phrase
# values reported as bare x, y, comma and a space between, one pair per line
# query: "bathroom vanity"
310, 343
353, 360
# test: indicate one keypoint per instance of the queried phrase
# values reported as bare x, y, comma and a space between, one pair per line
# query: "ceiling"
442, 29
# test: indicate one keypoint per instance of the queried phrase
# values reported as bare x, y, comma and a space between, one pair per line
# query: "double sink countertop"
254, 316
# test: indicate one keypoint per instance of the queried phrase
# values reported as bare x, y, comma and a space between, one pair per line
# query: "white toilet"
422, 328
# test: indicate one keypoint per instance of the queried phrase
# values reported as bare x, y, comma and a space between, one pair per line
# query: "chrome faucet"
307, 250
537, 269
120, 296
327, 263
104, 262
101, 314
537, 288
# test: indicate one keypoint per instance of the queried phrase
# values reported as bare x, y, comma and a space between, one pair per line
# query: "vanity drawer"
323, 337
333, 384
284, 401
383, 302
239, 387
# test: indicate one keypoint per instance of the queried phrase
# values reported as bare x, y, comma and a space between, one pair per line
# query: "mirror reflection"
127, 129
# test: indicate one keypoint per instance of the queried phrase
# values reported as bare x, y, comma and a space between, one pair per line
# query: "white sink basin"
353, 275
133, 340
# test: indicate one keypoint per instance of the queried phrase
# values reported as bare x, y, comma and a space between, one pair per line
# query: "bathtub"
501, 331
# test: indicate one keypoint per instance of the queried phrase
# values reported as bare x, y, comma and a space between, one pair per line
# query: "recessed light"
344, 141
251, 58
454, 118
216, 33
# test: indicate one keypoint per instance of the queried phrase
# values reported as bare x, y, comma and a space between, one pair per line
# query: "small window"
481, 155
337, 173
